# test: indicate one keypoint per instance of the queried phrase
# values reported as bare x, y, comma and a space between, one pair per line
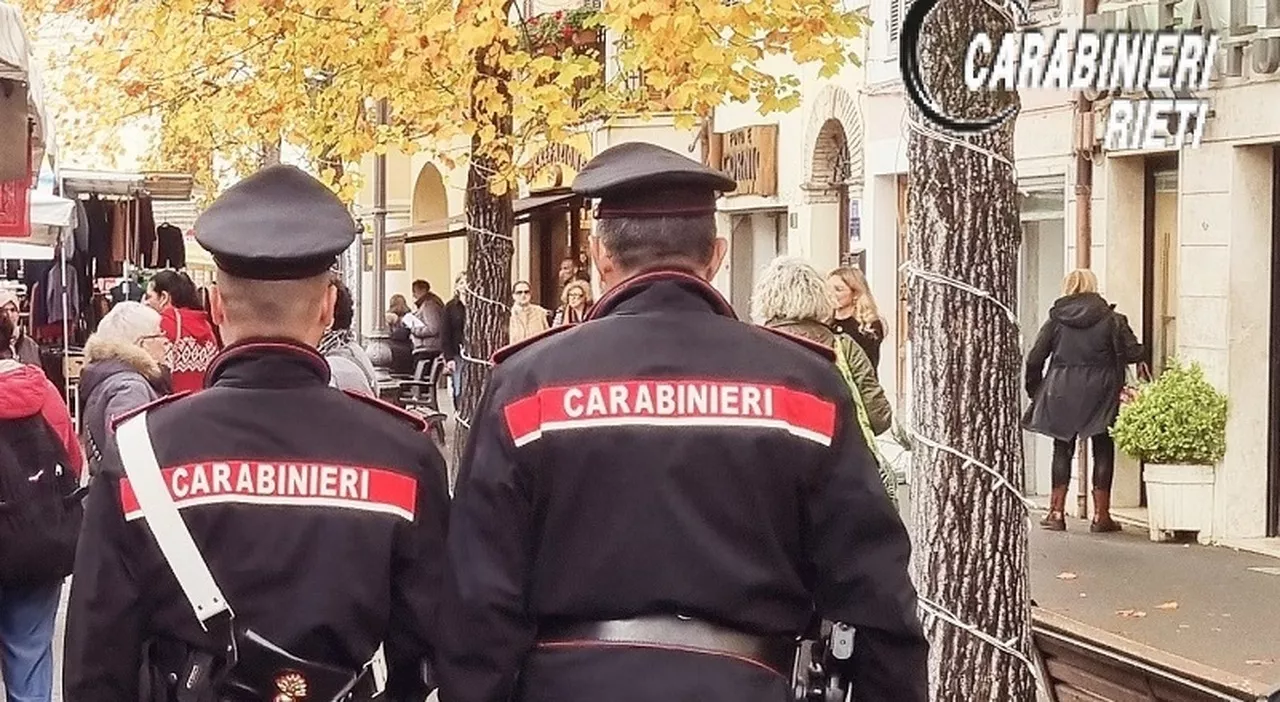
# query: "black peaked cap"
278, 224
638, 180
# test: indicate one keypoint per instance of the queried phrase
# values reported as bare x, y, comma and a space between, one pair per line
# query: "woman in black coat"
1088, 345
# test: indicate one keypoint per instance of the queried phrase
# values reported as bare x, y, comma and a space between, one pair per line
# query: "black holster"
251, 669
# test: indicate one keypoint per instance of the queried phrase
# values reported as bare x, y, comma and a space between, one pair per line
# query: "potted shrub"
1177, 426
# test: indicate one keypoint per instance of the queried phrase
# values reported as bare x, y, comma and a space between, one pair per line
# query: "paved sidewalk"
1212, 605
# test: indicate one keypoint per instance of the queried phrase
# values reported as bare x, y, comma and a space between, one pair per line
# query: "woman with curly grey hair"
791, 296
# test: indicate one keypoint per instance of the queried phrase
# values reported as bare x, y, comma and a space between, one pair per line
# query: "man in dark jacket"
24, 348
654, 503
320, 515
455, 326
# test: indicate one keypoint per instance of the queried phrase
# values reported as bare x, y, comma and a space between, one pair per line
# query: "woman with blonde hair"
791, 297
576, 297
1087, 345
855, 312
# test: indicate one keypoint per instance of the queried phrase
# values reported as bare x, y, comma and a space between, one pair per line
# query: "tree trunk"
489, 244
270, 153
971, 533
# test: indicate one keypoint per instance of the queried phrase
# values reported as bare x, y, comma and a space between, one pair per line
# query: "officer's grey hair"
638, 244
789, 289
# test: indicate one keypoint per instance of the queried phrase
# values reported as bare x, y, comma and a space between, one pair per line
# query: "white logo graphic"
1108, 61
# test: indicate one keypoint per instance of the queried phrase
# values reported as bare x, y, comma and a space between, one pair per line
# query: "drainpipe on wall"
1084, 237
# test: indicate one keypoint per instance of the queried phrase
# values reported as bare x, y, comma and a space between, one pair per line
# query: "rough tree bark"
489, 243
971, 534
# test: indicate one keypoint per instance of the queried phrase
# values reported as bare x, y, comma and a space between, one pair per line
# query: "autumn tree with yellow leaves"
229, 79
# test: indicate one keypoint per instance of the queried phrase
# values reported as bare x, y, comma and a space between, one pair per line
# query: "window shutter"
896, 11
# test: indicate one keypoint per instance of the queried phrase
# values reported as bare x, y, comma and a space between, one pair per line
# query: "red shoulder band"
505, 352
118, 420
419, 424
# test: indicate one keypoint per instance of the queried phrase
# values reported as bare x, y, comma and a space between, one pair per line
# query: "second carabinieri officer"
653, 504
316, 519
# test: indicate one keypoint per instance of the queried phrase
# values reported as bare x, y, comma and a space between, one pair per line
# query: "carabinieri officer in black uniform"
655, 503
320, 516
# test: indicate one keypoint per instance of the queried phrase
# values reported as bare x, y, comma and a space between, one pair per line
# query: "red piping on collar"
286, 345
722, 305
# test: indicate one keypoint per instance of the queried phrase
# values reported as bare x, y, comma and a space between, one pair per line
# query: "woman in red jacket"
192, 342
35, 554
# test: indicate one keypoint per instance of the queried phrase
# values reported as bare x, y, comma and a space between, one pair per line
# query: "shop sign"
1229, 19
393, 250
750, 157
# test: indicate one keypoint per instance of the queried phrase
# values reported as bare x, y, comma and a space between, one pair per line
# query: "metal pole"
1084, 239
379, 229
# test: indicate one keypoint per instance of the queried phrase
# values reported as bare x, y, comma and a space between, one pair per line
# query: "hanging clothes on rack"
171, 250
61, 279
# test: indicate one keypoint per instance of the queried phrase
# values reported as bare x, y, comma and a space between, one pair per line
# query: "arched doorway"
833, 178
429, 260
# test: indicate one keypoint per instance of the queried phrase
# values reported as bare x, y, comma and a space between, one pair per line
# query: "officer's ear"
718, 251
326, 308
604, 263
217, 308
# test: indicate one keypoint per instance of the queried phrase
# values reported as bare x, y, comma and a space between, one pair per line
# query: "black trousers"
1104, 461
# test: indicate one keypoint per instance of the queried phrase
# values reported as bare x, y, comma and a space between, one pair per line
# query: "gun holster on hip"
249, 667
817, 676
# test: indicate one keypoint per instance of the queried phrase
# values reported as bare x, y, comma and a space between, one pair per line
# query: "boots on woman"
1102, 522
1056, 520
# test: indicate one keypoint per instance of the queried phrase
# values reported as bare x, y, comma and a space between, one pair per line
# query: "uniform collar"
666, 290
267, 363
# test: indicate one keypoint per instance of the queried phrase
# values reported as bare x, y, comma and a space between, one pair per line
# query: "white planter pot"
1179, 498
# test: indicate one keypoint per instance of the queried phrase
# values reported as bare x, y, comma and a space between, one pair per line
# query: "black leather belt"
679, 634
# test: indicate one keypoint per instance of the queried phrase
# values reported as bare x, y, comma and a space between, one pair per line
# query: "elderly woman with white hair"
123, 373
791, 297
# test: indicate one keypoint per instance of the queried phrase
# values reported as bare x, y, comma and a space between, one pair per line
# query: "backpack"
40, 504
887, 474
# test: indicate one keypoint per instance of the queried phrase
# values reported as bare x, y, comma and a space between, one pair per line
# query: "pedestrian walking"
192, 341
790, 297
527, 319
1087, 345
654, 504
575, 303
455, 327
428, 338
856, 313
400, 323
269, 516
24, 348
40, 464
122, 373
349, 365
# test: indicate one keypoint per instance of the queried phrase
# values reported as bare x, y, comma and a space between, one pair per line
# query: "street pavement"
1212, 605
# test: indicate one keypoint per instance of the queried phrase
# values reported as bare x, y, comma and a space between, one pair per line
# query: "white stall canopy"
16, 65
50, 215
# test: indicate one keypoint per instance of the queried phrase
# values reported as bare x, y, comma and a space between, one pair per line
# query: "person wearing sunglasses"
25, 349
527, 319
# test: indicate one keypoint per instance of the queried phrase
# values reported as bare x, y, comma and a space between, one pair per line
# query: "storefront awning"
523, 209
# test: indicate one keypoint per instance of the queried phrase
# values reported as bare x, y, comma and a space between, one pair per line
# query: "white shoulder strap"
166, 524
